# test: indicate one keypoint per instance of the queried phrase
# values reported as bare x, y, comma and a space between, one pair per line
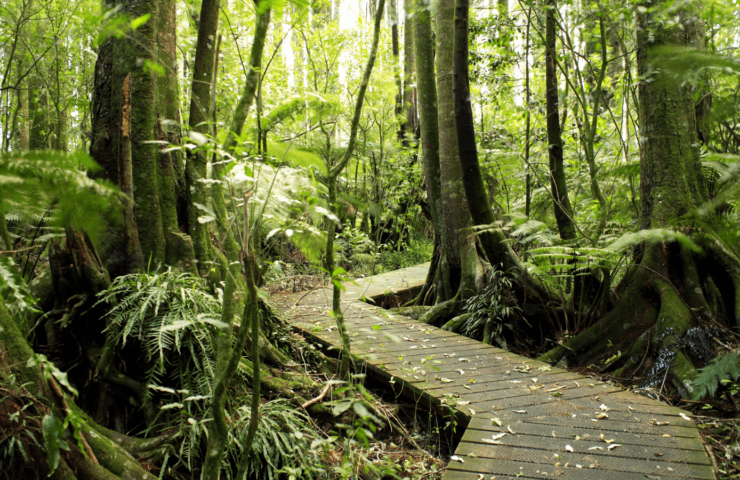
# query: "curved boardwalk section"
523, 418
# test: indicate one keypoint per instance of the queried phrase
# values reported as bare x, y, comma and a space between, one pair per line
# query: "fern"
13, 289
720, 370
176, 321
31, 182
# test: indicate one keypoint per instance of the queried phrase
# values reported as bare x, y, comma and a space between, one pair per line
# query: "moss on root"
660, 300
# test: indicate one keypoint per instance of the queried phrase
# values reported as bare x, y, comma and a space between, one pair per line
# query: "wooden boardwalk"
523, 418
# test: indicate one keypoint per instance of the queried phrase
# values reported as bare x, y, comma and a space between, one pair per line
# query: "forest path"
525, 419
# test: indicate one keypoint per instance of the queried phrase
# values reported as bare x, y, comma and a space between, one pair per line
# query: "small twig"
20, 249
60, 396
319, 398
644, 356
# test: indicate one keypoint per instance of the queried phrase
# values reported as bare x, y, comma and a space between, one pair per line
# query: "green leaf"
138, 22
53, 440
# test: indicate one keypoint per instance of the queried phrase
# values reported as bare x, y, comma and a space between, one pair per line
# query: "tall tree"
136, 58
199, 120
492, 238
429, 122
460, 260
410, 127
558, 185
670, 287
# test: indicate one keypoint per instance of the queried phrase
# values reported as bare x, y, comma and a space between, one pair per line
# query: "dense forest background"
569, 169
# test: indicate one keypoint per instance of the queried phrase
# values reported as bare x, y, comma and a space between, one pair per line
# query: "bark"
200, 107
460, 261
558, 185
670, 293
118, 59
491, 236
134, 257
410, 127
424, 49
171, 166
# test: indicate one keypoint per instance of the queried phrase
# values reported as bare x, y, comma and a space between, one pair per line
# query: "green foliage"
720, 371
53, 440
13, 289
492, 311
396, 257
283, 443
174, 319
34, 181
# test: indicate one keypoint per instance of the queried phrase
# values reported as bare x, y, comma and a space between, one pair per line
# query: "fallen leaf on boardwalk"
534, 380
497, 421
604, 408
568, 448
546, 368
457, 459
658, 454
613, 446
555, 389
465, 386
500, 435
463, 403
520, 411
666, 435
601, 415
603, 439
464, 360
685, 417
411, 348
494, 442
472, 455
481, 476
445, 380
462, 372
508, 427
472, 412
578, 466
596, 448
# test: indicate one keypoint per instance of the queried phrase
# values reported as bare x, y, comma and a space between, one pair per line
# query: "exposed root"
661, 328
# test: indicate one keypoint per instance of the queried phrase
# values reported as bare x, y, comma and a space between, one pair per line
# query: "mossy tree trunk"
669, 291
429, 123
152, 102
460, 263
115, 455
558, 185
199, 121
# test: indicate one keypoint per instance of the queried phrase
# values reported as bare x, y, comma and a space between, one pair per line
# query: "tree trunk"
424, 48
558, 185
200, 116
460, 261
670, 292
492, 238
410, 127
154, 208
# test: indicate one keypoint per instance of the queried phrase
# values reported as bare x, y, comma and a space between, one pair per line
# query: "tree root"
663, 301
456, 323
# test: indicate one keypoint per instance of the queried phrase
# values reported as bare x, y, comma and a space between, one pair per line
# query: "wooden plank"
496, 385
